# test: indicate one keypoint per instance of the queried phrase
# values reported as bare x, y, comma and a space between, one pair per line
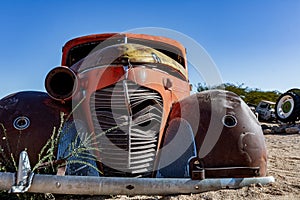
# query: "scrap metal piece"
235, 172
196, 168
28, 118
228, 137
24, 175
135, 111
135, 53
91, 185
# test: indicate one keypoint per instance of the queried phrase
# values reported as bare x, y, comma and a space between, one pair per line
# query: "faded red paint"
241, 145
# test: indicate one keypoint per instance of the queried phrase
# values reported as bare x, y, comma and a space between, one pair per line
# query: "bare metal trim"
24, 175
229, 121
21, 123
88, 185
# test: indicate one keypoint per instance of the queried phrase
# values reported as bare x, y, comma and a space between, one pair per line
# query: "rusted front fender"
27, 121
226, 132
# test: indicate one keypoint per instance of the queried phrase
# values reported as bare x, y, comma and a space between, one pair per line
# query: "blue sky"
255, 42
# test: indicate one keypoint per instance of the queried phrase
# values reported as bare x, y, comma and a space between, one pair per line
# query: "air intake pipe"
61, 83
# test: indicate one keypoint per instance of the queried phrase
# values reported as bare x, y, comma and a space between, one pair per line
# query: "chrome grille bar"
127, 120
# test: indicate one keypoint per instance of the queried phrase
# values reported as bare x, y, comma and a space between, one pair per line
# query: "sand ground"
283, 165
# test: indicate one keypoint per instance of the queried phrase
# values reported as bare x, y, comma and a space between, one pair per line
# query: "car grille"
127, 120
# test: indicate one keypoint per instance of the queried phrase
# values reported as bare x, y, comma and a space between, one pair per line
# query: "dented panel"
27, 121
227, 134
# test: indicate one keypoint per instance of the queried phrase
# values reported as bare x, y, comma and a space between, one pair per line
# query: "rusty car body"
119, 110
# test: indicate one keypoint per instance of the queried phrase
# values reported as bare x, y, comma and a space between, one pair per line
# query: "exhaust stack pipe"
61, 83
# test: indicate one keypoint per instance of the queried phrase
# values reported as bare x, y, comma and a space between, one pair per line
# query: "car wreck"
118, 118
265, 110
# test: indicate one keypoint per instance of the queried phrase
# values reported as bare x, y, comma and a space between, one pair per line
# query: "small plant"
47, 153
80, 151
8, 162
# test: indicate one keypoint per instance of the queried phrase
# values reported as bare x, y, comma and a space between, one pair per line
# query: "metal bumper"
88, 185
26, 181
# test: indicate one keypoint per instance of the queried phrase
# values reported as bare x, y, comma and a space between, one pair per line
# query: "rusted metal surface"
61, 83
137, 98
88, 185
130, 54
234, 172
27, 120
140, 110
143, 77
146, 68
116, 38
136, 64
227, 134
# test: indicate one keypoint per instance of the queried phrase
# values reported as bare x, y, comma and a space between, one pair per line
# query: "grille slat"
137, 147
130, 117
143, 152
